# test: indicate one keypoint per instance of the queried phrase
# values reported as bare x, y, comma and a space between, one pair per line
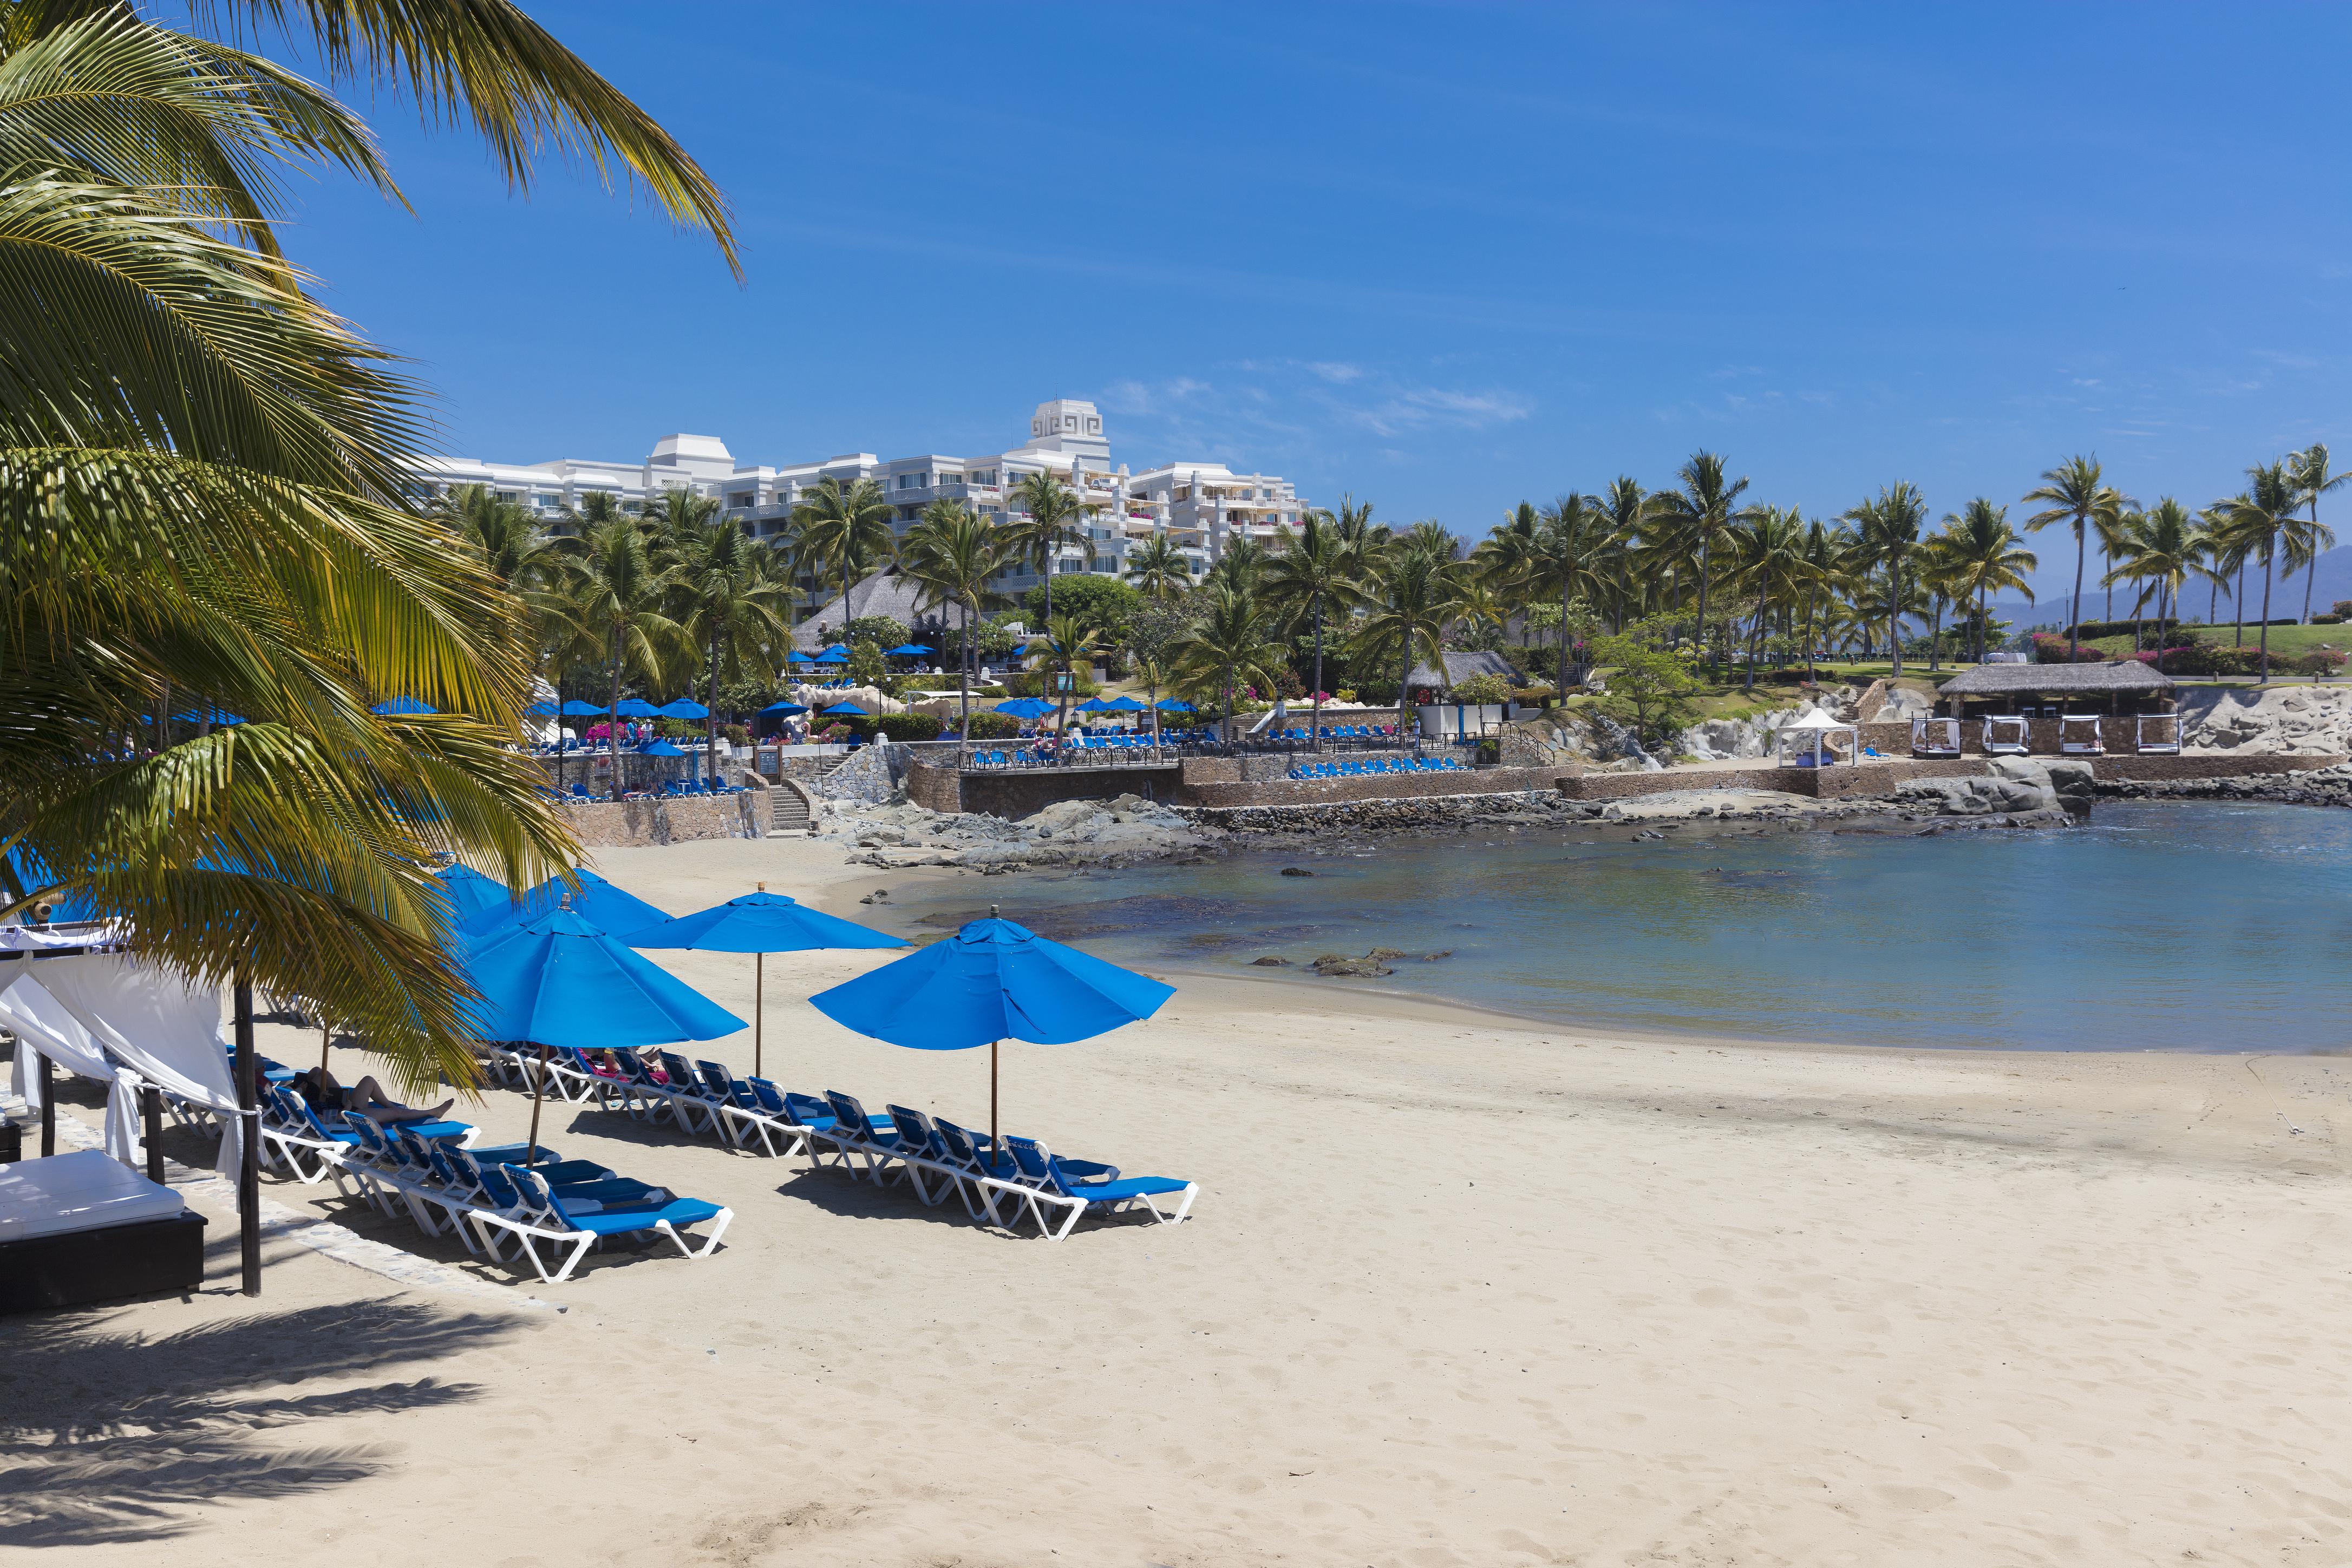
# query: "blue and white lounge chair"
1060, 1184
572, 1221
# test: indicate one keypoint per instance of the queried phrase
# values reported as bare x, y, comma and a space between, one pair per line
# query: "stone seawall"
2303, 786
640, 822
1288, 792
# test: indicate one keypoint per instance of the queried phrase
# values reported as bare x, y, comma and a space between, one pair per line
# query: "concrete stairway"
788, 806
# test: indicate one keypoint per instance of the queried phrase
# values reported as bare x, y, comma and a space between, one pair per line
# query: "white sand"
1458, 1291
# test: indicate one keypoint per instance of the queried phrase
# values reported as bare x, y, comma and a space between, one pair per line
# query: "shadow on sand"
107, 1437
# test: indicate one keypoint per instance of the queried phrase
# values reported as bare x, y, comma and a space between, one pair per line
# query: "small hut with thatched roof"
2005, 696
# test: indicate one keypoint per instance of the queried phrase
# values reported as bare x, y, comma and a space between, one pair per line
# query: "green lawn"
2283, 639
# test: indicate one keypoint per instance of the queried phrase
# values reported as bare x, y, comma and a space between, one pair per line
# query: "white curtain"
44, 1028
157, 1025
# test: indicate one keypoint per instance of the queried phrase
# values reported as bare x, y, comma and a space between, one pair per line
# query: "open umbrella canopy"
541, 709
635, 708
846, 709
759, 922
684, 708
993, 980
783, 708
799, 658
402, 706
215, 716
1026, 706
836, 654
560, 981
599, 902
469, 892
1169, 705
1125, 705
1094, 705
577, 709
659, 749
907, 651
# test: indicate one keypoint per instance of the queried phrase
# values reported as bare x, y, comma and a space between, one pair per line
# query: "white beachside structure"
1200, 505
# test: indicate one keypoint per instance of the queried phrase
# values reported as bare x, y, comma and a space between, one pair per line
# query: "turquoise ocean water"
2159, 927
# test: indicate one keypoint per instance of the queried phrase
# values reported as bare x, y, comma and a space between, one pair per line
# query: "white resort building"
1200, 505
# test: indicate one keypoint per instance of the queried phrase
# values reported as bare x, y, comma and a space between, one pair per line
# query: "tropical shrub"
1098, 602
907, 726
1345, 694
2050, 650
2329, 619
882, 631
1039, 683
737, 735
2320, 661
993, 726
2150, 628
1487, 690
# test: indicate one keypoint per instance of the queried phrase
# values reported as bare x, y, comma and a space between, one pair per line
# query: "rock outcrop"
2315, 720
900, 834
2008, 787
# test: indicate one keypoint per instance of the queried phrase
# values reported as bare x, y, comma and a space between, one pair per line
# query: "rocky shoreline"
2324, 786
2012, 792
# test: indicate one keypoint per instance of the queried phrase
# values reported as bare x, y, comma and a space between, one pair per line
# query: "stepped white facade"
1199, 505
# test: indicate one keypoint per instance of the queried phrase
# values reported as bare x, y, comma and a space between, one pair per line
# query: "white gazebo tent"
1935, 737
2159, 732
1803, 741
2004, 734
2079, 735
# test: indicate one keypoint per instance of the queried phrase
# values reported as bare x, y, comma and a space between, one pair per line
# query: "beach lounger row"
997, 1185
694, 1097
553, 1212
1378, 765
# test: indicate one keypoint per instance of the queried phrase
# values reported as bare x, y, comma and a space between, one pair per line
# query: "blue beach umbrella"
684, 708
1026, 706
635, 708
401, 707
576, 709
541, 709
1124, 705
1170, 705
1094, 705
560, 981
759, 924
845, 709
469, 892
834, 655
993, 981
219, 718
598, 901
907, 651
781, 708
659, 749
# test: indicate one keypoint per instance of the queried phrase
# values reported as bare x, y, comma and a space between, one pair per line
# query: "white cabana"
158, 1026
2158, 733
1935, 737
1805, 743
2004, 734
2079, 735
44, 1028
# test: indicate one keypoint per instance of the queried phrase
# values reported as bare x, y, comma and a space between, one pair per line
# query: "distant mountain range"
2332, 581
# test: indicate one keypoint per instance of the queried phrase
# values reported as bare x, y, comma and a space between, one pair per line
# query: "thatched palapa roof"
2126, 676
1459, 667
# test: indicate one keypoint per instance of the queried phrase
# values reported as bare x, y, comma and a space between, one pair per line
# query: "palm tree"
2160, 546
2308, 467
1559, 555
625, 600
1051, 510
675, 521
1158, 568
1626, 506
1888, 530
1766, 547
1228, 646
199, 474
956, 556
1939, 574
737, 607
1070, 642
1986, 557
2210, 563
2074, 495
846, 527
1356, 526
1239, 565
1321, 573
2259, 517
1825, 552
1406, 619
1698, 516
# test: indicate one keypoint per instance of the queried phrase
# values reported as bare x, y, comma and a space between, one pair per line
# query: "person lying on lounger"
365, 1096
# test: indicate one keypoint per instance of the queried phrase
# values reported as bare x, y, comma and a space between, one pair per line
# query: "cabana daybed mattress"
84, 1227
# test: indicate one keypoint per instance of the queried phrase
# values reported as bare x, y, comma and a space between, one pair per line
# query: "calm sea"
2159, 927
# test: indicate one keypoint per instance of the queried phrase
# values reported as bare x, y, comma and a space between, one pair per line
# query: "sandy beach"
1459, 1290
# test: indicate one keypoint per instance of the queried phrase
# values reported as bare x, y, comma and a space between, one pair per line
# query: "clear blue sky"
1440, 257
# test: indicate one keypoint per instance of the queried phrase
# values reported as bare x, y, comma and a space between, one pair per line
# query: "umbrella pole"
326, 1041
759, 1010
992, 1144
538, 1087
